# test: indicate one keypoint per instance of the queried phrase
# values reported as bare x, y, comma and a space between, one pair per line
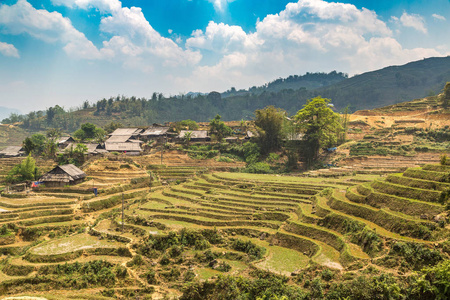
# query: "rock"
424, 216
213, 263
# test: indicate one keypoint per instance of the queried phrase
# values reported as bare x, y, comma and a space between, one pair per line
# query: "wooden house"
65, 141
63, 175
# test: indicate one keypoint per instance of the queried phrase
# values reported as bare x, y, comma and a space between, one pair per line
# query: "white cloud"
413, 21
105, 6
133, 38
438, 17
47, 26
222, 38
9, 50
309, 35
220, 5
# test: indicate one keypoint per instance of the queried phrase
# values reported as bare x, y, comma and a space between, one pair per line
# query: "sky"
67, 51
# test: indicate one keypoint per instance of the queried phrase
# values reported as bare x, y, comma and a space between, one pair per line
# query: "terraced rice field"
344, 223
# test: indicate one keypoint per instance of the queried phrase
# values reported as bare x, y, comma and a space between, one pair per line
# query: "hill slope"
390, 85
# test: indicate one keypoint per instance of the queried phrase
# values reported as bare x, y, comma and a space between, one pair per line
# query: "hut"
129, 148
12, 151
155, 133
65, 141
63, 175
133, 133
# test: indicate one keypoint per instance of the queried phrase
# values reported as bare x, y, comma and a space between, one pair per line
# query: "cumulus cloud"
51, 27
134, 41
222, 38
9, 50
413, 21
308, 35
438, 17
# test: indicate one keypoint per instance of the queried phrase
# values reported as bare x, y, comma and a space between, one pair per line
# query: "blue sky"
67, 51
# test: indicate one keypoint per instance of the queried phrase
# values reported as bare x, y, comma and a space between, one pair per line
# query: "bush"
252, 250
258, 168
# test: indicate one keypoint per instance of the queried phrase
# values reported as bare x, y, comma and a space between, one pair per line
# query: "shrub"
258, 168
252, 250
327, 275
223, 267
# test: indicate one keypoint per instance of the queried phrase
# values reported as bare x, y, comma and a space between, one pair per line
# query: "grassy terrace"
335, 222
269, 203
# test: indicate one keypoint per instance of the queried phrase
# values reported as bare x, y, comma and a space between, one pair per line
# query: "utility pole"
122, 213
162, 153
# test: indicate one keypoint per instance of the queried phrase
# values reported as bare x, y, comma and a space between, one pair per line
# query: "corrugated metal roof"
118, 139
123, 147
195, 134
65, 139
155, 131
12, 151
92, 147
127, 131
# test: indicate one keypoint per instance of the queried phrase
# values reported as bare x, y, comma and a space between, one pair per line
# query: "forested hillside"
370, 90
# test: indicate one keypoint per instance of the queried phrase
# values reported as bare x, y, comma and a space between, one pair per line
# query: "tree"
320, 125
218, 128
89, 131
34, 144
269, 124
110, 127
26, 170
446, 103
187, 137
186, 124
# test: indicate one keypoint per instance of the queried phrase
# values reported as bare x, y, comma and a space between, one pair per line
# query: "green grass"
282, 260
72, 244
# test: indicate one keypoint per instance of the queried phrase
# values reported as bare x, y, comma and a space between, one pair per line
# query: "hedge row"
36, 258
427, 175
391, 222
418, 183
406, 192
37, 221
214, 223
108, 202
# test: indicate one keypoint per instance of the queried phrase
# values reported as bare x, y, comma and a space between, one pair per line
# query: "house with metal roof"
154, 132
64, 141
12, 151
94, 149
130, 148
133, 132
63, 175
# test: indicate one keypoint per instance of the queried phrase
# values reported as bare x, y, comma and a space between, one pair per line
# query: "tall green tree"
218, 129
26, 170
89, 131
269, 124
320, 125
34, 144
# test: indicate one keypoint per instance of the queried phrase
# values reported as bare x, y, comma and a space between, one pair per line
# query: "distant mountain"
5, 112
379, 88
390, 85
309, 81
